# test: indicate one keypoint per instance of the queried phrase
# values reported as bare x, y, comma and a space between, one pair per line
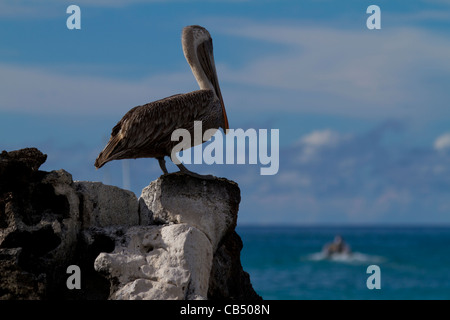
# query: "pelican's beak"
206, 57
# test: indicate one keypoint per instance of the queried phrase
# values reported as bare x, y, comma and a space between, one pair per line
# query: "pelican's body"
145, 131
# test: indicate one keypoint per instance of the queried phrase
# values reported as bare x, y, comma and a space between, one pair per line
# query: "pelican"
145, 131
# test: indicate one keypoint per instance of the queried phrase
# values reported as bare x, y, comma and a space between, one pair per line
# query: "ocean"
287, 263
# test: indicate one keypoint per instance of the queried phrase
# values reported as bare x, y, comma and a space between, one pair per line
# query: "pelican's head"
198, 50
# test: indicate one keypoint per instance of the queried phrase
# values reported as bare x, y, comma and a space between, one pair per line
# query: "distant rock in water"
177, 241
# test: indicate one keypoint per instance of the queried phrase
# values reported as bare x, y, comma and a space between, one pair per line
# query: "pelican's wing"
152, 124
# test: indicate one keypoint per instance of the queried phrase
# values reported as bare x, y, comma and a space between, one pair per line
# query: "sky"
363, 115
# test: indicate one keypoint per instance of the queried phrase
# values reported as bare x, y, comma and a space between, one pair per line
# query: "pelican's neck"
202, 79
190, 45
198, 50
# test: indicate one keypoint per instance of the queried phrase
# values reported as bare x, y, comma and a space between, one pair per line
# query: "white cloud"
316, 69
36, 90
358, 178
312, 143
442, 142
344, 71
321, 138
51, 8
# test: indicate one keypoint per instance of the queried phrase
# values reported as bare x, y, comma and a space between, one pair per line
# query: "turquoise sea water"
286, 262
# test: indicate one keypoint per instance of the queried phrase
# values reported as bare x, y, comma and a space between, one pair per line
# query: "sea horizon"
342, 225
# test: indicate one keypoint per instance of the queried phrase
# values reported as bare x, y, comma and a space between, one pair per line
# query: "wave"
353, 257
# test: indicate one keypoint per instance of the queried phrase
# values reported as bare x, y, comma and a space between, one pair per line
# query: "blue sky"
364, 115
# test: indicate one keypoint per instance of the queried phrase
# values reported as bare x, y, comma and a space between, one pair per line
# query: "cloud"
51, 8
357, 179
321, 138
345, 71
312, 143
442, 142
36, 90
315, 69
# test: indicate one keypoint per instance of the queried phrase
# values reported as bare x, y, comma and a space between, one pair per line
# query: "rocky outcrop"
177, 241
39, 225
209, 205
159, 262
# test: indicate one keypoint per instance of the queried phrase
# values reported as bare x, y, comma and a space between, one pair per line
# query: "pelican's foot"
162, 164
200, 176
193, 174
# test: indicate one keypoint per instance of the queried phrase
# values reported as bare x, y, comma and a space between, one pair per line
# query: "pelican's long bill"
206, 58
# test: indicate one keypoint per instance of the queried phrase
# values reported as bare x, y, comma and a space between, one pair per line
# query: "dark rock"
38, 223
228, 279
15, 282
17, 167
30, 157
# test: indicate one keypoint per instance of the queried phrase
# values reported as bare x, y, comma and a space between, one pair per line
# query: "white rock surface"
160, 262
168, 239
144, 289
205, 204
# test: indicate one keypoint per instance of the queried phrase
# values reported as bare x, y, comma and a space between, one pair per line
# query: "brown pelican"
145, 131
